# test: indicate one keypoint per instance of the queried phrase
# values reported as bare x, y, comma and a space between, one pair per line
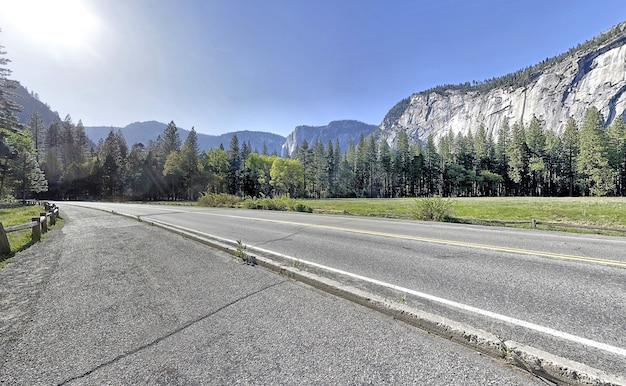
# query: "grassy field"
594, 211
14, 216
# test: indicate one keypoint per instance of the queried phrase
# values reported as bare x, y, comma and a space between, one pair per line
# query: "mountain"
138, 132
30, 102
591, 74
345, 131
142, 132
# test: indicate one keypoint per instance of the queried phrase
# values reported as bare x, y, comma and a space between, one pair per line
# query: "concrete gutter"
542, 364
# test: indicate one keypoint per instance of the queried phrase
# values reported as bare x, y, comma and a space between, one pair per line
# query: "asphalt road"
109, 300
562, 293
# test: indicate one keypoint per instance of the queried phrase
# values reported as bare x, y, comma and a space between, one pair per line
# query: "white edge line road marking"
487, 247
450, 303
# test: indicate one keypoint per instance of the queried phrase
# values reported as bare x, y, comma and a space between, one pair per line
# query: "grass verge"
20, 240
607, 212
592, 211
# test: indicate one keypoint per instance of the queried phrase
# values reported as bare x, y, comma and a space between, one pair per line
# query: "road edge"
540, 363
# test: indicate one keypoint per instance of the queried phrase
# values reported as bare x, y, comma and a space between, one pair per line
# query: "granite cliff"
592, 74
344, 131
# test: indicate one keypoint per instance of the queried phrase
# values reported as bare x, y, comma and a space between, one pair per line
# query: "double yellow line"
561, 256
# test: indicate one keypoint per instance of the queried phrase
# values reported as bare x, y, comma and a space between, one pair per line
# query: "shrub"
281, 203
218, 200
300, 207
433, 209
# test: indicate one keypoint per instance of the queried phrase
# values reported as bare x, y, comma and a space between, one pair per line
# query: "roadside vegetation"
281, 203
607, 212
15, 215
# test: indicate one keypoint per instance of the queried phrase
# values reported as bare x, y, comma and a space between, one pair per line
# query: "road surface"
559, 292
109, 300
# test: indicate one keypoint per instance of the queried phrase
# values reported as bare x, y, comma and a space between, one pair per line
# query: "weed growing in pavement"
507, 351
296, 264
241, 253
403, 299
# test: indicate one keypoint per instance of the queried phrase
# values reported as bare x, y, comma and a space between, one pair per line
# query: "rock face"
345, 131
594, 75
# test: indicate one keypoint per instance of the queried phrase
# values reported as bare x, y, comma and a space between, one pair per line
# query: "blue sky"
270, 65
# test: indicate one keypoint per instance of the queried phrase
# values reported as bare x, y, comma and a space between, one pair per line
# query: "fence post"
43, 217
5, 248
53, 217
36, 228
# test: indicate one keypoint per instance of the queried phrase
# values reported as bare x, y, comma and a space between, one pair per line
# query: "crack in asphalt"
172, 333
286, 237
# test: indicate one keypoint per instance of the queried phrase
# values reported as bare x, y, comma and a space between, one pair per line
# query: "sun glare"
59, 24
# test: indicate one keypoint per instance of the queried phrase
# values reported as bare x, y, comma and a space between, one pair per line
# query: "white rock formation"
344, 131
595, 76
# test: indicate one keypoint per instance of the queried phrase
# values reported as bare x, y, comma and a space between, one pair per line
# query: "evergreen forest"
56, 162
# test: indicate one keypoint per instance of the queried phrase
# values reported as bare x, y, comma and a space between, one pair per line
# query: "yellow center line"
435, 241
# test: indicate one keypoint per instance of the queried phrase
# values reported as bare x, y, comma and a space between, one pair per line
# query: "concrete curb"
538, 362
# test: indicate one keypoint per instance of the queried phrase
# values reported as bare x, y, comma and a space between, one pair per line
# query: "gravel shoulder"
108, 300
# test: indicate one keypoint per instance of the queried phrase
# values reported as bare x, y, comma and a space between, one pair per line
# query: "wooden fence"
38, 225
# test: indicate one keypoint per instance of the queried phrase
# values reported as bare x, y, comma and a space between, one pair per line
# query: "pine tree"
402, 163
170, 141
189, 157
26, 176
37, 129
81, 143
553, 162
481, 149
386, 169
501, 159
330, 170
432, 167
518, 159
593, 159
8, 119
320, 170
570, 154
617, 143
234, 179
51, 165
8, 108
374, 169
536, 143
110, 154
66, 136
304, 154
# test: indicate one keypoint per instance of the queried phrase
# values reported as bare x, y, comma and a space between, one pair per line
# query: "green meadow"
591, 211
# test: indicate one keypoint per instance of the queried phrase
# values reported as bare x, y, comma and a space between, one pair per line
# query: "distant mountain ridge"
344, 131
142, 132
30, 102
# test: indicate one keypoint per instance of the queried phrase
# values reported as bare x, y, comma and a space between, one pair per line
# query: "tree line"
56, 162
524, 160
